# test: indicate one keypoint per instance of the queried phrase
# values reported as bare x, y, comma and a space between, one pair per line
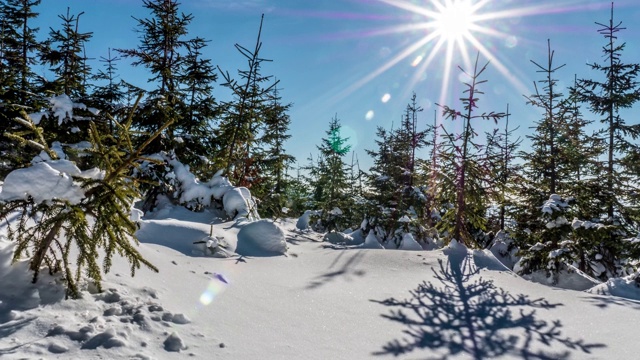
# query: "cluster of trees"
95, 118
570, 198
245, 136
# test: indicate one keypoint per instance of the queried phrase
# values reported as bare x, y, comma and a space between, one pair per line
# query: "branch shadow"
476, 318
606, 301
298, 238
9, 324
347, 270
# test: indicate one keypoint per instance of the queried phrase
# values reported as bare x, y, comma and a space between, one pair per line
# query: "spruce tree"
198, 107
606, 98
19, 51
95, 227
162, 41
274, 160
108, 94
65, 54
548, 172
396, 200
502, 148
242, 117
20, 48
330, 178
466, 166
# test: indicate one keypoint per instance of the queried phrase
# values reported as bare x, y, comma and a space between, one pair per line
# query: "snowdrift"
314, 304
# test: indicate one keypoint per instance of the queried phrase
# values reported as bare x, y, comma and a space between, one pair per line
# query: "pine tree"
96, 226
65, 53
274, 160
502, 149
619, 90
162, 39
19, 50
330, 177
464, 163
242, 117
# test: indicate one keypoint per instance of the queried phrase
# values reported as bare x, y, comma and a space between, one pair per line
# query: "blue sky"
350, 57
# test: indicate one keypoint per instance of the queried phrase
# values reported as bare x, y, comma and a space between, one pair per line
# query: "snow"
626, 287
238, 203
576, 224
62, 108
503, 250
261, 238
555, 203
409, 243
303, 221
41, 182
371, 242
315, 303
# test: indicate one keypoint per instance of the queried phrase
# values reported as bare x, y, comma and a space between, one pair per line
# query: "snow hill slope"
319, 301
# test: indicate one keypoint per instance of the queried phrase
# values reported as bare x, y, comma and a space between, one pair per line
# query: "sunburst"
457, 28
455, 21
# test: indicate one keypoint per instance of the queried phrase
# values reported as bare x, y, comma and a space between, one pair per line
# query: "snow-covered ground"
319, 301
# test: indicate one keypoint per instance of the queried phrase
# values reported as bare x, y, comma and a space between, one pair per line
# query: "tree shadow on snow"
298, 238
606, 301
347, 270
474, 317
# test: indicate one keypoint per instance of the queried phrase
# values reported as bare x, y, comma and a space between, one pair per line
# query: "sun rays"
448, 33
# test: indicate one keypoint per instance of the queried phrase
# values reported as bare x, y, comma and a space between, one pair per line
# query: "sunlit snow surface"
316, 302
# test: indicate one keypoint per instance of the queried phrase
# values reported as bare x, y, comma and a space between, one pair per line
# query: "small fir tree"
466, 166
242, 117
99, 223
19, 51
502, 148
330, 177
65, 54
619, 90
274, 160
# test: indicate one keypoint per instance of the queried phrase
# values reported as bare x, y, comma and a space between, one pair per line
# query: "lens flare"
215, 287
449, 33
369, 115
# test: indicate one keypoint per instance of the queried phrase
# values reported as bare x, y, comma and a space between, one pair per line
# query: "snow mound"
485, 259
371, 242
409, 243
177, 235
569, 277
42, 182
625, 287
503, 249
18, 293
337, 238
238, 203
261, 238
303, 221
480, 259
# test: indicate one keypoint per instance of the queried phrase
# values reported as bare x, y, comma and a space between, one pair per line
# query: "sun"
455, 20
446, 34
